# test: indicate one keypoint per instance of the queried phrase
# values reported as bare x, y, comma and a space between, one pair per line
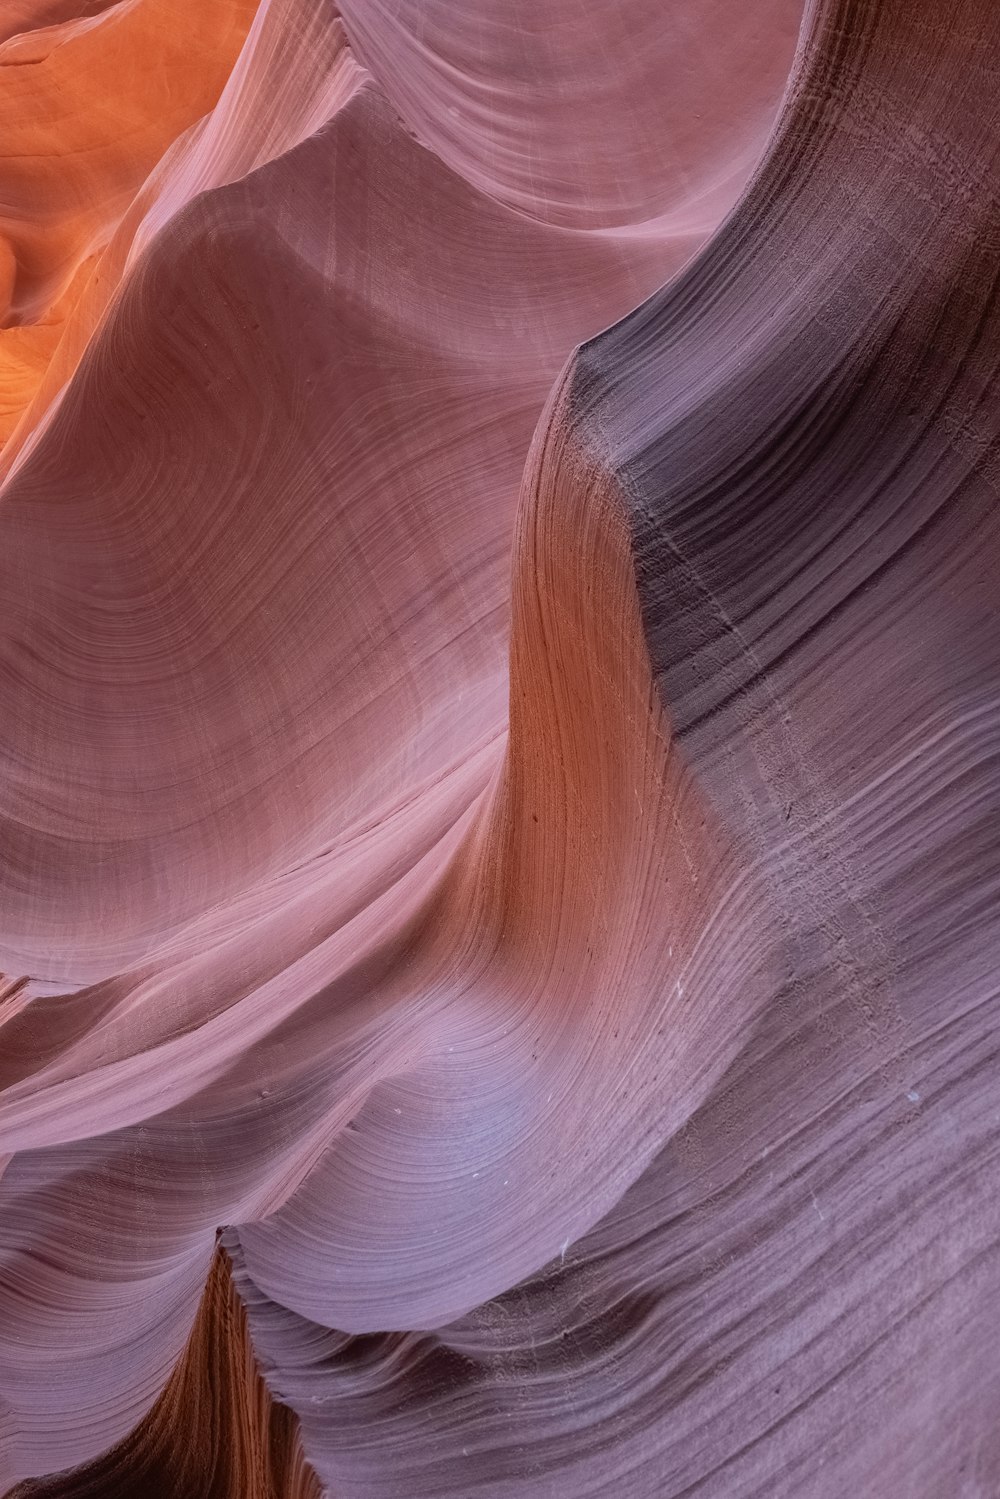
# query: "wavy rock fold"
500, 687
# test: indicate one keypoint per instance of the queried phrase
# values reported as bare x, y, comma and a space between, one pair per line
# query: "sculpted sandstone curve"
498, 668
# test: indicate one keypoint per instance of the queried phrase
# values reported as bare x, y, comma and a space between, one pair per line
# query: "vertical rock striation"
214, 1433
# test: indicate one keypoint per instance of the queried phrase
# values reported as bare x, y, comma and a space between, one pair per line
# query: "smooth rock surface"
499, 662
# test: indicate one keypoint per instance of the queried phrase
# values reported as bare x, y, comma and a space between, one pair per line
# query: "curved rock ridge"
500, 728
214, 1431
89, 102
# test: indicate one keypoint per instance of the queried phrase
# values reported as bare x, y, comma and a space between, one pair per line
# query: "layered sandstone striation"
499, 664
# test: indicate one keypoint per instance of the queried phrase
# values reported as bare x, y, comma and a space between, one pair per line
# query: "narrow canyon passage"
499, 662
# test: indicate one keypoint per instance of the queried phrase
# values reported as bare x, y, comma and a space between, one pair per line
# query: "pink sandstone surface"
499, 749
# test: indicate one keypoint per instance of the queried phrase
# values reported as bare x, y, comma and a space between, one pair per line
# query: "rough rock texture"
510, 834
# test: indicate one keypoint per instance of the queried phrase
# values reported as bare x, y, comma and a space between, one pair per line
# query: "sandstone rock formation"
499, 661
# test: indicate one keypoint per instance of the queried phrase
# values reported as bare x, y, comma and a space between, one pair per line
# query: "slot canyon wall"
500, 745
